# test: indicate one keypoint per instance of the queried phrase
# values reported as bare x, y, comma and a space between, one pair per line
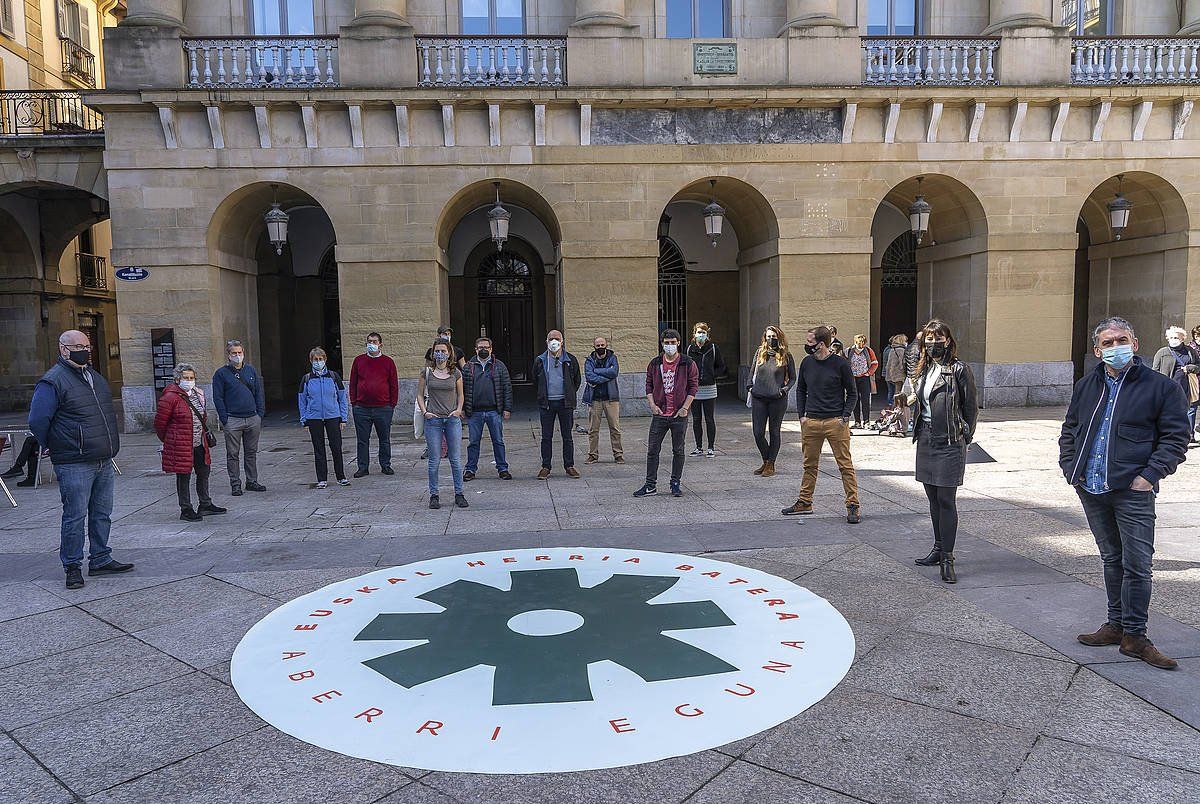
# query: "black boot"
932, 560
948, 568
26, 457
190, 515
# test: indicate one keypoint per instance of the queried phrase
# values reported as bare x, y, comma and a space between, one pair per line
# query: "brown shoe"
572, 472
1140, 647
768, 469
761, 469
592, 459
797, 508
1108, 634
543, 473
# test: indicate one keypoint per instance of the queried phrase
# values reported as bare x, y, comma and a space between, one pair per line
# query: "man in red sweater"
672, 380
374, 392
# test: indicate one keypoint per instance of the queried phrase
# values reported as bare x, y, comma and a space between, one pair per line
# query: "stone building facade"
386, 130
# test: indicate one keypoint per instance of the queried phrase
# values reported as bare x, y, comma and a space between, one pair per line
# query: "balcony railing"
46, 112
93, 273
1135, 60
78, 63
271, 62
492, 61
898, 60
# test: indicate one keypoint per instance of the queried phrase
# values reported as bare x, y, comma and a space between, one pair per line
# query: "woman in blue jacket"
323, 410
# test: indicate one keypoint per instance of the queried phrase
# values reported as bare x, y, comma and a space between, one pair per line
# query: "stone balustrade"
491, 61
274, 62
1135, 60
948, 61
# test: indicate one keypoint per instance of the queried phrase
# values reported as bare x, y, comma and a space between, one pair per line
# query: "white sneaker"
321, 484
696, 451
343, 482
710, 453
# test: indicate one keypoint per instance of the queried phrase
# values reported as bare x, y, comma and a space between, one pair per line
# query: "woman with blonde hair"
772, 375
703, 350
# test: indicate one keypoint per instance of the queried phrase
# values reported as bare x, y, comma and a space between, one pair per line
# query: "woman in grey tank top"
440, 398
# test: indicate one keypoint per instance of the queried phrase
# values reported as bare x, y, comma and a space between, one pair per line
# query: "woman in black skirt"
947, 408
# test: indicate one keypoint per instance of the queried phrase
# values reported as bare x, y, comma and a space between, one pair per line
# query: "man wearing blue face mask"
1126, 429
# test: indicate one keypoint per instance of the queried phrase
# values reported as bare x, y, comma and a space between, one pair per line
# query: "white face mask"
187, 385
701, 337
372, 348
670, 349
1174, 341
236, 359
555, 344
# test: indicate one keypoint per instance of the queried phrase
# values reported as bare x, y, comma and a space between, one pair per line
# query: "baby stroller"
891, 422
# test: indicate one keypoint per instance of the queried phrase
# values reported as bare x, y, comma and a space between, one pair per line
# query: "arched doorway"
505, 295
672, 287
898, 289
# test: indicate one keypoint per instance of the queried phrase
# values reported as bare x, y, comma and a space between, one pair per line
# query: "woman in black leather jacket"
947, 408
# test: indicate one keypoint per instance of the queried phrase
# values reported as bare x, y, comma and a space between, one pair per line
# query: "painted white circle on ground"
620, 657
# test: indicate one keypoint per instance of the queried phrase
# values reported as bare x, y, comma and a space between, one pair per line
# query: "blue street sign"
132, 274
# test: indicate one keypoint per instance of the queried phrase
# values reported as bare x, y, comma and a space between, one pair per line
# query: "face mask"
80, 357
484, 354
701, 337
1176, 342
670, 349
809, 348
1117, 356
187, 385
936, 351
236, 359
773, 342
440, 357
555, 344
372, 348
318, 365
445, 336
601, 351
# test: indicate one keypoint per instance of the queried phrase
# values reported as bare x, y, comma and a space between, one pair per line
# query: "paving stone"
265, 765
960, 619
53, 685
1173, 691
742, 781
417, 793
210, 636
977, 562
23, 780
861, 597
291, 583
881, 749
48, 633
220, 671
1009, 688
168, 603
107, 585
139, 732
23, 599
1064, 773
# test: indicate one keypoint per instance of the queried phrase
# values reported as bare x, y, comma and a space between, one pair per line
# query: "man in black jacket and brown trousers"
825, 396
487, 401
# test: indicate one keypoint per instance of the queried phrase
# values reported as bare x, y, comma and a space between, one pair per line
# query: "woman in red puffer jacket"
185, 449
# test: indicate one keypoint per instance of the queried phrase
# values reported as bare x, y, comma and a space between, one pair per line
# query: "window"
1088, 17
698, 19
484, 17
73, 23
7, 21
282, 17
894, 18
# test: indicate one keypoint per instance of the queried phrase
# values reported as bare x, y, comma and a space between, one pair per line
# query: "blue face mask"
1117, 356
318, 365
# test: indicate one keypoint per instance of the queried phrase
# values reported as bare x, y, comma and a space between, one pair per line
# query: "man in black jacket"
1126, 429
72, 415
557, 377
487, 400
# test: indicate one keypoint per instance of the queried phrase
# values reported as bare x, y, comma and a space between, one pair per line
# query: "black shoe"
209, 508
460, 500
387, 470
948, 568
255, 487
74, 577
14, 472
468, 477
111, 568
676, 491
647, 490
361, 473
506, 475
26, 483
235, 492
853, 517
425, 455
932, 560
434, 502
190, 515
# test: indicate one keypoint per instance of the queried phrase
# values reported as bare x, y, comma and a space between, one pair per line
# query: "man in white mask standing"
672, 380
557, 377
241, 403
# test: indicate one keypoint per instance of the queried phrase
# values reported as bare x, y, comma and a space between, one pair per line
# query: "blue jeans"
494, 420
379, 418
1123, 524
87, 493
449, 429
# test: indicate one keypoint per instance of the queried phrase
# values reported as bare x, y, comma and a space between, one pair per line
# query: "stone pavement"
120, 692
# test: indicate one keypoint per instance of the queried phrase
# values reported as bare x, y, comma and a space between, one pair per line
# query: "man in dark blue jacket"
72, 416
1126, 429
557, 377
240, 402
603, 398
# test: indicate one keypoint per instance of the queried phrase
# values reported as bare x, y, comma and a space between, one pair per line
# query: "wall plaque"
714, 58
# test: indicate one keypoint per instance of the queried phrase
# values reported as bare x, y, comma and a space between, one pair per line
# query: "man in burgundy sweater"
672, 380
374, 392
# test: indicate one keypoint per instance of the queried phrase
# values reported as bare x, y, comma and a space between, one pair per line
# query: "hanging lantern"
714, 216
498, 220
1118, 211
277, 223
918, 214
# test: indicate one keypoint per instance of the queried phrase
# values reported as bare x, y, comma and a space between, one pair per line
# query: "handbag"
209, 438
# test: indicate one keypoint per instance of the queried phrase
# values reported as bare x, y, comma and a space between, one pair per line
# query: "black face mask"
773, 343
809, 348
80, 357
484, 354
936, 351
601, 351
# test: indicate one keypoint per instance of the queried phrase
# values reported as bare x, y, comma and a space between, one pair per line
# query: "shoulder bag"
209, 438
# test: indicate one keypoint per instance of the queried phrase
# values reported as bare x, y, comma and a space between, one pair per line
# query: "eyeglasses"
75, 347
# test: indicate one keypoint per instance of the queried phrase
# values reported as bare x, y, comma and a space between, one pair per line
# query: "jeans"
863, 406
379, 418
87, 493
202, 471
813, 435
704, 413
1192, 421
319, 430
659, 427
241, 433
494, 421
445, 430
1123, 524
611, 410
893, 389
766, 416
557, 410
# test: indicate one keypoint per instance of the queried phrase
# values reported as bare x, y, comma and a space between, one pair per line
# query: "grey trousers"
242, 434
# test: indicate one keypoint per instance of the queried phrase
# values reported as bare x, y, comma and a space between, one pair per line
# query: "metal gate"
672, 287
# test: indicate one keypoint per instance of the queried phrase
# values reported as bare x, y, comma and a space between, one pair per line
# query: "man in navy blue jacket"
603, 398
240, 401
1126, 429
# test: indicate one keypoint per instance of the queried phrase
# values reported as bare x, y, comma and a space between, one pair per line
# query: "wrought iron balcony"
1135, 60
93, 273
491, 61
78, 63
930, 60
262, 62
46, 113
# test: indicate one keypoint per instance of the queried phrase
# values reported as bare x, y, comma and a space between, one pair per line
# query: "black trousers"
201, 470
862, 408
319, 430
708, 408
557, 411
943, 510
766, 416
659, 427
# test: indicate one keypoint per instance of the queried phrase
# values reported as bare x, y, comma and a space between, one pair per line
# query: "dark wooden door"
509, 323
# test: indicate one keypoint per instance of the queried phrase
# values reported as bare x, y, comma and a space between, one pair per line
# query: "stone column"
601, 18
1191, 18
384, 13
822, 48
1005, 14
144, 51
812, 14
166, 13
377, 49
